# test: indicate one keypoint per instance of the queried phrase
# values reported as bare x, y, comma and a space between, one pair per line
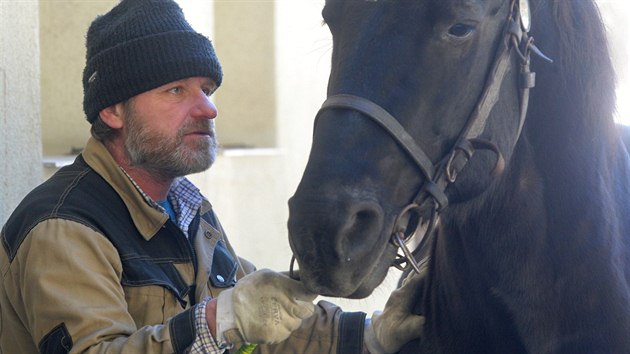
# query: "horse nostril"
363, 216
360, 231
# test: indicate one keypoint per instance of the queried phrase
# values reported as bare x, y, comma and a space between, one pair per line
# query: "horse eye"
461, 30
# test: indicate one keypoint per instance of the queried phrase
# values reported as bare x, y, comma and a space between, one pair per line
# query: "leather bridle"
424, 209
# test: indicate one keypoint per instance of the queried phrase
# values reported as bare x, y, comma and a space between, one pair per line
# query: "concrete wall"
63, 25
244, 41
20, 137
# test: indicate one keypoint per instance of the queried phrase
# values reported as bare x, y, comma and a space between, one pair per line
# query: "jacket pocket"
223, 273
151, 304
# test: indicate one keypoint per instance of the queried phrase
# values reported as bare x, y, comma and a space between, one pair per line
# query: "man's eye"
175, 90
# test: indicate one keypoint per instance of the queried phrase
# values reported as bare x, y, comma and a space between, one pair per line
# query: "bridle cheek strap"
391, 125
386, 121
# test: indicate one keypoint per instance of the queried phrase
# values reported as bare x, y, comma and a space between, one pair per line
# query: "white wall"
20, 137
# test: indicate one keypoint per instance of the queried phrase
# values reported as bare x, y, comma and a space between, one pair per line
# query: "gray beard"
169, 158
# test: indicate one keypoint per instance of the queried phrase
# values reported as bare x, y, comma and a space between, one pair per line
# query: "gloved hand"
392, 328
263, 307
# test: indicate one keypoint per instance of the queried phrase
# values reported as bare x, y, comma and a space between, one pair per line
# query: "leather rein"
424, 210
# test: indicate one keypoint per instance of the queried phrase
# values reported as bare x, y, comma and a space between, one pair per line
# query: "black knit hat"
140, 45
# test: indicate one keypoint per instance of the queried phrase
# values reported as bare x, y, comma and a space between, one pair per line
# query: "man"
118, 252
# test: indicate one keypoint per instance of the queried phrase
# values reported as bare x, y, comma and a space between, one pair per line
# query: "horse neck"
554, 177
559, 209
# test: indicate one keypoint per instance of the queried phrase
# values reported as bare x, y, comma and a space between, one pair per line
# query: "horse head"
430, 126
413, 95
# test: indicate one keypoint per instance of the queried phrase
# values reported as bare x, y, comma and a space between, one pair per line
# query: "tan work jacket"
67, 286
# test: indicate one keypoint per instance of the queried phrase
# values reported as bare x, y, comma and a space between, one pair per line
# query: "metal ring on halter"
401, 240
408, 256
398, 227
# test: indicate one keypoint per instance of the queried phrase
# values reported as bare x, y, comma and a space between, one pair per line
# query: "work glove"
264, 307
395, 326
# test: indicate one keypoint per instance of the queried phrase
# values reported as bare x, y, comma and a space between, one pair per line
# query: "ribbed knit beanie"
140, 45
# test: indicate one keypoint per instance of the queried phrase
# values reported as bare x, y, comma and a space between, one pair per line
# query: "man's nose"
204, 107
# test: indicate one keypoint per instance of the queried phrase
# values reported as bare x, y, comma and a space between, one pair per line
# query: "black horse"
527, 208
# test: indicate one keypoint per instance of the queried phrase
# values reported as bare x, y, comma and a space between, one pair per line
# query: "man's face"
169, 131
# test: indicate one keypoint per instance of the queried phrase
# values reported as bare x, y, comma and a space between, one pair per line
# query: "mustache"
198, 126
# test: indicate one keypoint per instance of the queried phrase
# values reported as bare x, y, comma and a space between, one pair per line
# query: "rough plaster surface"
20, 145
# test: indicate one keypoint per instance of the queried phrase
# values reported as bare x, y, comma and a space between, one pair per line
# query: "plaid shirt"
204, 342
186, 200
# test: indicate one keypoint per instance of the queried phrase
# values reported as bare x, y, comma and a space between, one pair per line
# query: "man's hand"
389, 330
263, 307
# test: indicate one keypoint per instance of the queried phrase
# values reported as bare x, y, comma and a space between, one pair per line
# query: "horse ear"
526, 15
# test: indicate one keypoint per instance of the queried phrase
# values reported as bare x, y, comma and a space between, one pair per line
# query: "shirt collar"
184, 196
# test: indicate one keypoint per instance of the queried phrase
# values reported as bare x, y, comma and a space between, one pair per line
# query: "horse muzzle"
338, 242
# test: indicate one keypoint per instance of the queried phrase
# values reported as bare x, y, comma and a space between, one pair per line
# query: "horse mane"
581, 80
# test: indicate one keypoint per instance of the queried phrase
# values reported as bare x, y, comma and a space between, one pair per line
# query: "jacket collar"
147, 219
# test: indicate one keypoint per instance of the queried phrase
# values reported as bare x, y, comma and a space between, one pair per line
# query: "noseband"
424, 209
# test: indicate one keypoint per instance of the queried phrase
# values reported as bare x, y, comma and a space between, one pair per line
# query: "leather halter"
431, 199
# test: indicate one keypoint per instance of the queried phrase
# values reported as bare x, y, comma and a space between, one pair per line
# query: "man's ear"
113, 116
